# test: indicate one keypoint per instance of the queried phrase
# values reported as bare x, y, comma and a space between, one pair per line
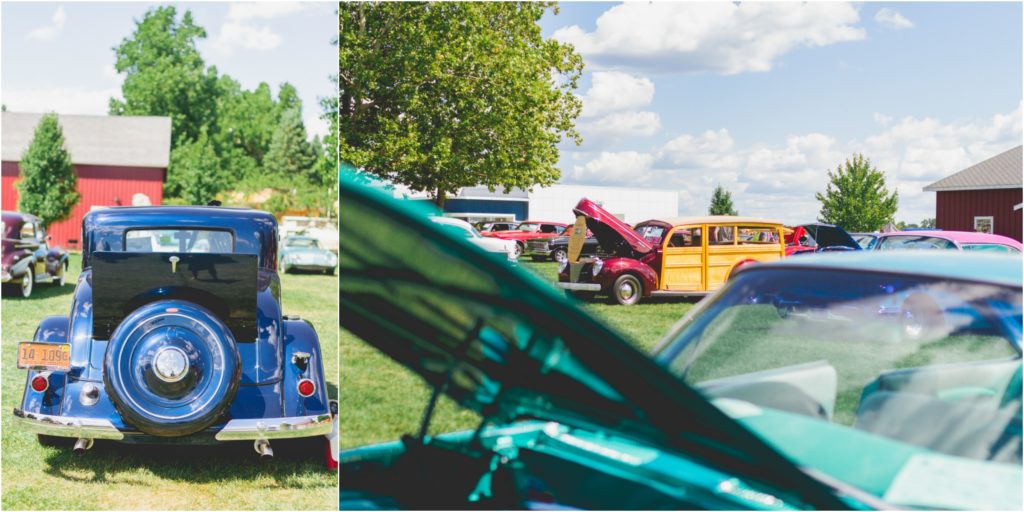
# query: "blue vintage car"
176, 334
822, 403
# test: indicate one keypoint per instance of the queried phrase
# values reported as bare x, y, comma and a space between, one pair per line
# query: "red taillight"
306, 387
40, 383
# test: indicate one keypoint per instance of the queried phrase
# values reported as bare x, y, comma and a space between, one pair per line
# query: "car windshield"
915, 242
651, 233
865, 241
529, 227
913, 377
989, 248
178, 240
302, 242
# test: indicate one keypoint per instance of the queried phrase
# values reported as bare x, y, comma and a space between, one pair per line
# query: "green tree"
928, 223
856, 197
166, 76
291, 153
197, 178
721, 202
439, 96
47, 185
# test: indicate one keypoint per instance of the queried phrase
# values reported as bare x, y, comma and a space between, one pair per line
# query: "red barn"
986, 197
120, 161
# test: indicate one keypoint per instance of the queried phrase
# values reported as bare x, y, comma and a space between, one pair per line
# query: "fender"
52, 329
299, 336
737, 266
21, 266
615, 267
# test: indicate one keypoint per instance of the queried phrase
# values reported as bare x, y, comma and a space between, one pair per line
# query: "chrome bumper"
588, 287
235, 430
63, 426
6, 277
276, 428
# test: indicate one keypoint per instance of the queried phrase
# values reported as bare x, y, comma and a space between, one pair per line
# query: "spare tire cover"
171, 368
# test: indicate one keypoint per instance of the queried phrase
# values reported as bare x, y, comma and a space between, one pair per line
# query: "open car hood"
828, 235
609, 230
503, 343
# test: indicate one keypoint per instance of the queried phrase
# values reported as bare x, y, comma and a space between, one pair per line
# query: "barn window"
983, 224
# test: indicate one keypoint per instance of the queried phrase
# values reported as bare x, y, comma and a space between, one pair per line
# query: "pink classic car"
956, 240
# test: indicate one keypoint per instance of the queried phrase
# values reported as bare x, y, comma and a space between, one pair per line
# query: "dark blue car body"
221, 309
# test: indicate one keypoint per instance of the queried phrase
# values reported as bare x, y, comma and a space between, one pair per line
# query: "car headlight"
562, 264
598, 265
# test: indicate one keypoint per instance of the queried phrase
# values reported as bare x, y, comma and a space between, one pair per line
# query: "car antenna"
428, 413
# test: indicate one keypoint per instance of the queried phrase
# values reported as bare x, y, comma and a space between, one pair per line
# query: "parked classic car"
27, 255
866, 241
740, 408
818, 237
304, 253
667, 257
496, 226
954, 240
176, 335
504, 248
528, 230
557, 248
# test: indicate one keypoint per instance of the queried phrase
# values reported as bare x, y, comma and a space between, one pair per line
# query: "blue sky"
58, 56
764, 98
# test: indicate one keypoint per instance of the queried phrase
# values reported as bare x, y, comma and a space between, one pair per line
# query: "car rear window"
178, 240
915, 242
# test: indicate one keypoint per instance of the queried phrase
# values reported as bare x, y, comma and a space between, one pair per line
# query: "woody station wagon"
670, 256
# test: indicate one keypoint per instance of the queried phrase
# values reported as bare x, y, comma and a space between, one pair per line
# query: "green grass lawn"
381, 400
113, 476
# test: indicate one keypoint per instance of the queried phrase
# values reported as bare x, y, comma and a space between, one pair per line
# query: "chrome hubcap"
626, 290
170, 364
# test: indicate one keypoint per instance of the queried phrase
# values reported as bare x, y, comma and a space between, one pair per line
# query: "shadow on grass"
297, 463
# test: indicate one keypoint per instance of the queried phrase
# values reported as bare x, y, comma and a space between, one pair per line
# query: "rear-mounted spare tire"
171, 368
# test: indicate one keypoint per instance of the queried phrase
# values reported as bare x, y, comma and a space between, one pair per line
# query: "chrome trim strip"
65, 426
590, 287
276, 428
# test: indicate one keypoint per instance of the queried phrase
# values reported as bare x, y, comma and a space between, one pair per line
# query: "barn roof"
124, 141
1001, 171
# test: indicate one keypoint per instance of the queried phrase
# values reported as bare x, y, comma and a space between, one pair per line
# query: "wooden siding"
955, 210
99, 186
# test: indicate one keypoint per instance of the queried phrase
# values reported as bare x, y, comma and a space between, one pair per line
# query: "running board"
667, 293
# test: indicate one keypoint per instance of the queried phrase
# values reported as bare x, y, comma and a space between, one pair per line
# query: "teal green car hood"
503, 343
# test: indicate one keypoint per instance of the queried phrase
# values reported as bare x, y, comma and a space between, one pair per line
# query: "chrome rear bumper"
234, 430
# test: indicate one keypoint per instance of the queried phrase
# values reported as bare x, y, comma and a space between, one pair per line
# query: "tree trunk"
439, 198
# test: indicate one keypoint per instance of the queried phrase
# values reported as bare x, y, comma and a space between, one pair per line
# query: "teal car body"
571, 415
304, 253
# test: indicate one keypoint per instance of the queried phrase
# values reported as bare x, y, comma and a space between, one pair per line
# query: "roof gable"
124, 141
1001, 171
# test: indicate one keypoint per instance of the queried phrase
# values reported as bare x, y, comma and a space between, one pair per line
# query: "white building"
555, 203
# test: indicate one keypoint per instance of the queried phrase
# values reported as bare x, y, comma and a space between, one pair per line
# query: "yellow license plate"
44, 356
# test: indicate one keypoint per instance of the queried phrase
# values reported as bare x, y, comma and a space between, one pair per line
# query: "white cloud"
891, 18
882, 119
780, 180
619, 168
720, 37
612, 91
618, 125
62, 100
263, 10
51, 31
240, 30
237, 34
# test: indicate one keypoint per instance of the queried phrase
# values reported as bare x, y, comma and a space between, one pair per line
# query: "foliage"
439, 96
856, 197
165, 75
47, 185
197, 178
928, 223
290, 154
721, 202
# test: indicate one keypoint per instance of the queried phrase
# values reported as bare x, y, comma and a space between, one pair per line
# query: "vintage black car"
177, 334
28, 257
557, 249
